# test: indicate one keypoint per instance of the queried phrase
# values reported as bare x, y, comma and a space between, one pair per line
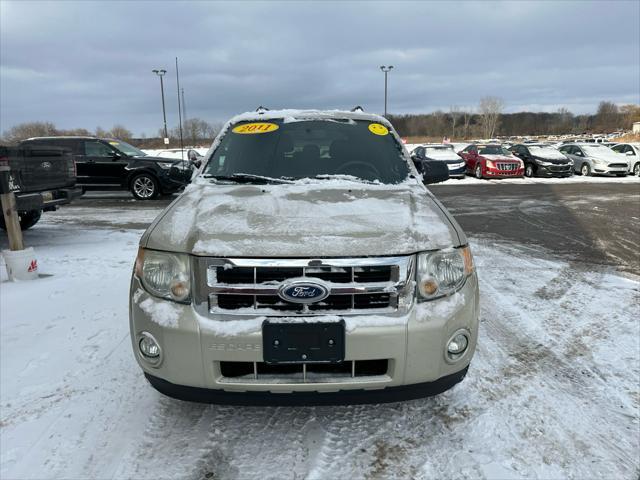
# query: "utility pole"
161, 73
386, 70
179, 111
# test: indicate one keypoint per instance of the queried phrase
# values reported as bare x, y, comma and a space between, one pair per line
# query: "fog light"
149, 348
457, 345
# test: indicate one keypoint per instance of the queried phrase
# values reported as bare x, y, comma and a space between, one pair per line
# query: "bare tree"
490, 109
27, 130
455, 113
101, 132
118, 131
467, 114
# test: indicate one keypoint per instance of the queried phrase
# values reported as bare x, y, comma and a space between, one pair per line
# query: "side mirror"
629, 154
115, 156
435, 172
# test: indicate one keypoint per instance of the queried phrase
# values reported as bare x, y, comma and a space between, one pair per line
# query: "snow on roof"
307, 115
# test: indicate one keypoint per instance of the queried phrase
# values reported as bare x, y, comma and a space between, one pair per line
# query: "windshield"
439, 149
543, 150
309, 149
126, 148
493, 150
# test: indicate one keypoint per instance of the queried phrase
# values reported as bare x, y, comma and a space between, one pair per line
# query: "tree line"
488, 120
195, 131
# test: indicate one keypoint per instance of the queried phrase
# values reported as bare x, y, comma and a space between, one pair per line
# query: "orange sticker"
255, 128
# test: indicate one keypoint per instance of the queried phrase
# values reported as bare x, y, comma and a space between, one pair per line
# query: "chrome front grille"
508, 167
244, 286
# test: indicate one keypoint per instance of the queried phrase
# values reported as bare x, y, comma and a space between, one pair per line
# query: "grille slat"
355, 285
250, 372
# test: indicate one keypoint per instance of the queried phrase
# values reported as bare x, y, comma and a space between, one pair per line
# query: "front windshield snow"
278, 149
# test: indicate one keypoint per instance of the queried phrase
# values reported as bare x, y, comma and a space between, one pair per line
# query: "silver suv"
307, 263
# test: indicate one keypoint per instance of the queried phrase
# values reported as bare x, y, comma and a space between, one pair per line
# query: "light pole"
386, 70
161, 73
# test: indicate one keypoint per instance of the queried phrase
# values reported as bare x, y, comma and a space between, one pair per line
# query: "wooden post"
11, 220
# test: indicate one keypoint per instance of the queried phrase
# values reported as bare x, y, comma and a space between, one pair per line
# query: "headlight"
490, 164
543, 163
165, 275
442, 273
165, 165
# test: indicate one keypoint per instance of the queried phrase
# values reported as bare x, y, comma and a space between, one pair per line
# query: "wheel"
478, 171
585, 169
636, 169
528, 170
27, 219
144, 186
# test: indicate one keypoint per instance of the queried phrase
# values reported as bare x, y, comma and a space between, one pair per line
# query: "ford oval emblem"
303, 292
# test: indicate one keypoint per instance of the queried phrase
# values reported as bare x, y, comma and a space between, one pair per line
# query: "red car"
491, 161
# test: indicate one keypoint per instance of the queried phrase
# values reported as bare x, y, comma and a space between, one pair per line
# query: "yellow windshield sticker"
254, 128
378, 129
114, 143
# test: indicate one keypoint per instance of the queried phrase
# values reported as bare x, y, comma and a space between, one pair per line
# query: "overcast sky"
88, 64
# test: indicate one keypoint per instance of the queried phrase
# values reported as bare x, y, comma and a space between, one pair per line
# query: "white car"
632, 152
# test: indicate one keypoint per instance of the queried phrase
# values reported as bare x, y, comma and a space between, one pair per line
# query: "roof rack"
357, 108
261, 109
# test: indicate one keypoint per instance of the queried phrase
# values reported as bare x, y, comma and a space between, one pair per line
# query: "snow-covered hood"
443, 155
303, 220
549, 154
605, 154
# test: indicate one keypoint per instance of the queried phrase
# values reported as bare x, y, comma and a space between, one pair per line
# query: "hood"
444, 155
549, 155
605, 154
302, 220
494, 158
159, 159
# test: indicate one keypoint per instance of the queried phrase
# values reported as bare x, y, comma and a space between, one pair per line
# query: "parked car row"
500, 160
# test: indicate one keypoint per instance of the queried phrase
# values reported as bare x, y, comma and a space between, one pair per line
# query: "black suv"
108, 163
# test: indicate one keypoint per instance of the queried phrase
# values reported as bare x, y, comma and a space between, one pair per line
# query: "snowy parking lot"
553, 392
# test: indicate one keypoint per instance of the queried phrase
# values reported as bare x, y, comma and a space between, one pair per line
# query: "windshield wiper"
339, 176
248, 178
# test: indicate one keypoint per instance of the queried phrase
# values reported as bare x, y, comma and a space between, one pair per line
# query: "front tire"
27, 219
144, 186
636, 169
585, 170
528, 171
478, 172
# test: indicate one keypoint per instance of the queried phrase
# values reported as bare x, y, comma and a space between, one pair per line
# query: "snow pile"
161, 312
554, 382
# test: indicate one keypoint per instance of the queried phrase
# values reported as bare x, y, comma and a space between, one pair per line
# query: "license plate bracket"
316, 342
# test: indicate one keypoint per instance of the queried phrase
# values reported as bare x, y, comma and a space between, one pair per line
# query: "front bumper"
553, 170
609, 170
413, 343
497, 173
